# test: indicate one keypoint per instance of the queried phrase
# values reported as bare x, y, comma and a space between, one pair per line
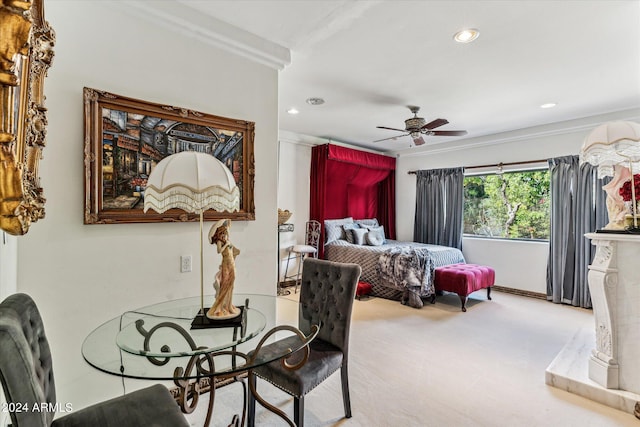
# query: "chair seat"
304, 249
152, 406
324, 359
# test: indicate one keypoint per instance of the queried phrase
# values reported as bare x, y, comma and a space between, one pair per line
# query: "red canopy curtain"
387, 205
319, 156
347, 182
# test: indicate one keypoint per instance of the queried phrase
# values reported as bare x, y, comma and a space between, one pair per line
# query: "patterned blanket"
410, 270
367, 257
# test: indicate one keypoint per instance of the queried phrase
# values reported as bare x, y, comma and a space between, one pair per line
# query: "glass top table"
152, 342
164, 330
157, 342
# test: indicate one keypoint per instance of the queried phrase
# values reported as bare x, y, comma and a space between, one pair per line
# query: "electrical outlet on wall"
185, 264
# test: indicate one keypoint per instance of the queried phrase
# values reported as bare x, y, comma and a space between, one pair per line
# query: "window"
512, 205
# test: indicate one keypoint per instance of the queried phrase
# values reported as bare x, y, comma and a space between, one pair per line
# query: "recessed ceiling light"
315, 101
548, 105
466, 36
292, 111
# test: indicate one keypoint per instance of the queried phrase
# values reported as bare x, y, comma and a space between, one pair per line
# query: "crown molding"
184, 20
311, 141
559, 128
300, 139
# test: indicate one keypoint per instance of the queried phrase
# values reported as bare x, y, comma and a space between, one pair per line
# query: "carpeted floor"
438, 366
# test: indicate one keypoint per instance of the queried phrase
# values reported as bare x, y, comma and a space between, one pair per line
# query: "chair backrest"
25, 363
312, 236
327, 292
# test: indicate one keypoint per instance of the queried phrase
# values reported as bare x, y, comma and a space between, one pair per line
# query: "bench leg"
489, 293
463, 302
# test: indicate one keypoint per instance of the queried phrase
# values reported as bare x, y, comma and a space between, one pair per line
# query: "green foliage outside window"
511, 205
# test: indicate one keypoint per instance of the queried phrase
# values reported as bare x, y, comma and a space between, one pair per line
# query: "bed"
368, 257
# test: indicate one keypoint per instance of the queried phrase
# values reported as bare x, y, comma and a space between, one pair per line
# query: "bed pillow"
333, 229
348, 231
371, 222
377, 235
359, 235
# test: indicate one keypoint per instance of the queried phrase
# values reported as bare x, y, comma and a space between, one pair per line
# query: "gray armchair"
326, 295
26, 375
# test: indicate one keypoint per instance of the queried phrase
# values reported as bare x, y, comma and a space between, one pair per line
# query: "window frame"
532, 167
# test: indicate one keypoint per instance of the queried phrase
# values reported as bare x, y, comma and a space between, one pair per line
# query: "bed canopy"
351, 183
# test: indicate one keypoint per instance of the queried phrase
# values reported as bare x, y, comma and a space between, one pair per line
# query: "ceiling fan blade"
384, 127
393, 137
449, 132
435, 124
418, 141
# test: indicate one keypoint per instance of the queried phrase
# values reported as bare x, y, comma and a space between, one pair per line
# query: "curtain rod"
496, 165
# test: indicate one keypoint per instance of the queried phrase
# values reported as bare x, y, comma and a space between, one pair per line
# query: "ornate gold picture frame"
125, 138
26, 52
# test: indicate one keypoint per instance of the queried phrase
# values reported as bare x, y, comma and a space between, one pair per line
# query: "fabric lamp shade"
607, 146
611, 144
193, 182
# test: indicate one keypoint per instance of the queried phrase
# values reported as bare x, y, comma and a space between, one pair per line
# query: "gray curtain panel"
439, 207
578, 206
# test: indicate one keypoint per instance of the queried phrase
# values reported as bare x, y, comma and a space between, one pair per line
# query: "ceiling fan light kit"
416, 127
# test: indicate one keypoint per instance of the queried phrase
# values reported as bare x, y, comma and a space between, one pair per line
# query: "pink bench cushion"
464, 279
363, 288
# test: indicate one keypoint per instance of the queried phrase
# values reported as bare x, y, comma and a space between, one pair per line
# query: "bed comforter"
368, 257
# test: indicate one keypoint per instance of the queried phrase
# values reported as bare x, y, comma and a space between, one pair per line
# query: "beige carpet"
438, 366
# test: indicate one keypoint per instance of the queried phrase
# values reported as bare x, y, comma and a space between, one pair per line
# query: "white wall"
519, 264
8, 285
8, 264
82, 275
293, 194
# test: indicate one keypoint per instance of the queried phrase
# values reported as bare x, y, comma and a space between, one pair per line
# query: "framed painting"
125, 138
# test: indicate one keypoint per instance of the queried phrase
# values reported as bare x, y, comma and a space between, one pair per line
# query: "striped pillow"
348, 231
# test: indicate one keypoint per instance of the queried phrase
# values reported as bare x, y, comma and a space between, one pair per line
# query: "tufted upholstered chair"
326, 299
27, 379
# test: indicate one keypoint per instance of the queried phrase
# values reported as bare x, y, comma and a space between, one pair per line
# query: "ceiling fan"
417, 126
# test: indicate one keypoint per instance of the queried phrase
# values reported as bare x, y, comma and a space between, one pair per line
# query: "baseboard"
504, 289
520, 292
287, 283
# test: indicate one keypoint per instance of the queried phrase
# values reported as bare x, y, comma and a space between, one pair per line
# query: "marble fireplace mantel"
614, 283
610, 357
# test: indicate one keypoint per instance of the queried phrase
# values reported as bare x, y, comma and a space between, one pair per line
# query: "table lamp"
612, 147
193, 182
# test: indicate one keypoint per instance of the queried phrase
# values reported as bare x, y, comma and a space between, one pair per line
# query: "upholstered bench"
464, 279
363, 288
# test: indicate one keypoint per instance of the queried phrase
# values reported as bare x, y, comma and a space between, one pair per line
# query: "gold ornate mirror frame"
26, 52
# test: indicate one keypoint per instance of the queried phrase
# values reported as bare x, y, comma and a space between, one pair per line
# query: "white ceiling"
370, 59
